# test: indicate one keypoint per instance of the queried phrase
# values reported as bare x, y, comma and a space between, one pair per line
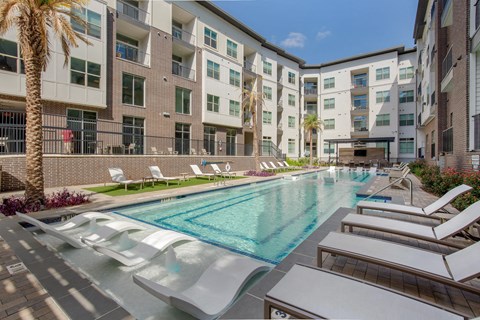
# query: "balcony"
359, 110
311, 91
133, 13
447, 72
131, 53
249, 68
280, 106
183, 36
182, 71
447, 14
360, 132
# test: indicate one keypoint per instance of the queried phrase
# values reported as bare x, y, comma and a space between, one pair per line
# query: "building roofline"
243, 27
399, 49
420, 19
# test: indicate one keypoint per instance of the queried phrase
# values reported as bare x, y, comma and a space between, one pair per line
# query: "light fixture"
166, 114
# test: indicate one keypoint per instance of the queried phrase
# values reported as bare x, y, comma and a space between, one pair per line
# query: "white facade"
56, 80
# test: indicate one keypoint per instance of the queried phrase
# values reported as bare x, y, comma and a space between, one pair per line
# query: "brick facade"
92, 169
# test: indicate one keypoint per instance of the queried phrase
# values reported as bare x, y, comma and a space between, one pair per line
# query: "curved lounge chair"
309, 293
199, 173
436, 234
214, 291
146, 249
75, 222
109, 231
119, 177
416, 211
453, 269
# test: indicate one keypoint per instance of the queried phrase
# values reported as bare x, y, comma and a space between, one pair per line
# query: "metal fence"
66, 135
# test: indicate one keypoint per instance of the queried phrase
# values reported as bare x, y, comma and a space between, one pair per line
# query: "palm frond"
9, 10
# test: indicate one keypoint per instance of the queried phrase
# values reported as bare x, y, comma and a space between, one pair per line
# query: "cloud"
323, 34
294, 40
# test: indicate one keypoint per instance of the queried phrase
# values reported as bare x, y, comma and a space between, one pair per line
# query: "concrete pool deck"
51, 289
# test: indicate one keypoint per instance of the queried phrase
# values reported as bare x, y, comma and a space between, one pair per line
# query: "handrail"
410, 186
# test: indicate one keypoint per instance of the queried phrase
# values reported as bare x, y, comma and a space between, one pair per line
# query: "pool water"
265, 220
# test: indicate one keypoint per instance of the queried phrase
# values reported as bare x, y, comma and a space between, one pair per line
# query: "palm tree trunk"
34, 184
311, 147
255, 141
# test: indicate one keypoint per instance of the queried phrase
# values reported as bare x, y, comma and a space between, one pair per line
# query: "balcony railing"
447, 63
179, 70
130, 53
249, 66
360, 83
311, 91
183, 35
133, 12
447, 138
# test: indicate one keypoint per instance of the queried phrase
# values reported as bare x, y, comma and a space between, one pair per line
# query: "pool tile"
247, 307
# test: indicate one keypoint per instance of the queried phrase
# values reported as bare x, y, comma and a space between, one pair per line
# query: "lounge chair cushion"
334, 296
391, 207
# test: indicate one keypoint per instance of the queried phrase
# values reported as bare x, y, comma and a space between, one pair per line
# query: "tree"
251, 100
312, 122
35, 20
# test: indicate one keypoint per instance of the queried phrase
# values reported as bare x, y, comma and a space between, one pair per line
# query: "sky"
320, 31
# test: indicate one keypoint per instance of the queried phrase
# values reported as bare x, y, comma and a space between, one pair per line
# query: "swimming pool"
264, 220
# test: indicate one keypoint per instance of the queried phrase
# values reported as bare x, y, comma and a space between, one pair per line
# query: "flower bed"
253, 173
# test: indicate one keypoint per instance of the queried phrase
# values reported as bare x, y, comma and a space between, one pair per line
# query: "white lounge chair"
359, 170
452, 269
267, 167
171, 152
157, 175
110, 230
146, 249
218, 171
331, 169
205, 152
436, 234
309, 293
372, 170
289, 166
118, 177
272, 165
428, 211
198, 173
345, 169
75, 222
214, 291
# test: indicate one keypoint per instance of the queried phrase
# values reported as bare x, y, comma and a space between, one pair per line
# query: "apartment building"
364, 101
445, 33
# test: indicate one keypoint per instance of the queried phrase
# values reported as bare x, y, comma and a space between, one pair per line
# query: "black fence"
67, 135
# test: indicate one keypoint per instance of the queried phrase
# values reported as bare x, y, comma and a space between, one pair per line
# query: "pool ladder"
410, 187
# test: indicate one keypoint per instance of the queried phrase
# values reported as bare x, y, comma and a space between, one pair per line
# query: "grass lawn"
119, 190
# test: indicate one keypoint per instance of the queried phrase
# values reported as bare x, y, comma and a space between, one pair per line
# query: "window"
234, 109
210, 38
182, 100
383, 145
133, 133
9, 57
329, 124
407, 145
133, 90
84, 126
127, 48
382, 120
182, 138
267, 68
234, 78
291, 100
406, 96
213, 70
383, 96
291, 122
329, 103
291, 77
232, 49
310, 107
291, 146
407, 120
406, 73
329, 83
383, 73
231, 139
209, 139
360, 123
266, 145
267, 93
328, 148
213, 103
267, 117
360, 102
93, 22
360, 80
85, 73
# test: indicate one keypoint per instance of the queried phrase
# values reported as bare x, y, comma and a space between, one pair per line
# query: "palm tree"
251, 101
34, 21
312, 122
